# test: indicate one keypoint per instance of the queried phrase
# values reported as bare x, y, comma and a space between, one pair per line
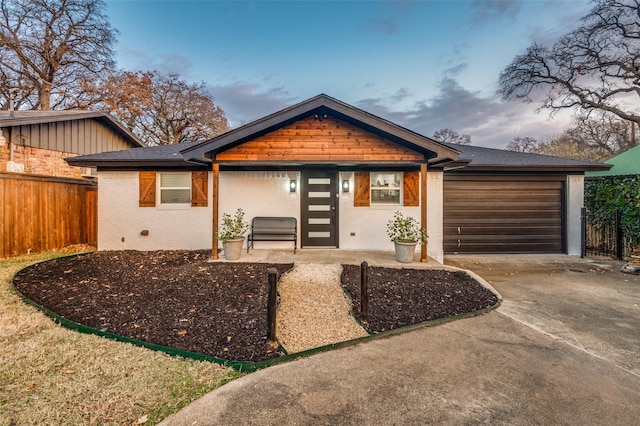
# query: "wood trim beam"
215, 196
423, 209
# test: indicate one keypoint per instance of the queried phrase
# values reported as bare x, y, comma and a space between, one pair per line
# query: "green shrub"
405, 229
603, 196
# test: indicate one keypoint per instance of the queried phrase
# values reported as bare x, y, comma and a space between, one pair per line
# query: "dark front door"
319, 209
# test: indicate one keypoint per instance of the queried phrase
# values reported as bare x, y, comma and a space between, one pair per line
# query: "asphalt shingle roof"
477, 157
447, 155
481, 157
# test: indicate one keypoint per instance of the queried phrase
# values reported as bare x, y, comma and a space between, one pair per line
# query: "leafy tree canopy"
159, 108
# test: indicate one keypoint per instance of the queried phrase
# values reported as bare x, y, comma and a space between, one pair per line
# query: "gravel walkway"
314, 310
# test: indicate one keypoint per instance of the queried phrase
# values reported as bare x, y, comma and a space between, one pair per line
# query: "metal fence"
603, 239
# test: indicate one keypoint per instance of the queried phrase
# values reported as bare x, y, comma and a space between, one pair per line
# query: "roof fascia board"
524, 168
138, 164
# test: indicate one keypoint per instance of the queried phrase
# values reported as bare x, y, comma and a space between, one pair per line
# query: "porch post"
423, 209
214, 210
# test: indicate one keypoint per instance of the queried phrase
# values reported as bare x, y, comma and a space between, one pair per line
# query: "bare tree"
602, 135
593, 138
159, 108
594, 68
48, 46
523, 144
451, 136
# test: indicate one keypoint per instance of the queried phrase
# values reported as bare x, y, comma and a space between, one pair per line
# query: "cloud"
489, 121
394, 15
166, 64
489, 10
456, 69
244, 102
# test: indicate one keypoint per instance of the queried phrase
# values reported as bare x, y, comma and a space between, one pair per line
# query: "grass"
51, 375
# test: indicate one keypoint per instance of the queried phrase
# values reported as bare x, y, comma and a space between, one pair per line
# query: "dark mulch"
401, 297
171, 298
178, 299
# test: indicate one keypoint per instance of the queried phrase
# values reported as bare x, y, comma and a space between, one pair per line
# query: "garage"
503, 213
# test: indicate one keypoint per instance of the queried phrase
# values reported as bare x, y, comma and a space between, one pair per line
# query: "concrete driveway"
586, 303
562, 349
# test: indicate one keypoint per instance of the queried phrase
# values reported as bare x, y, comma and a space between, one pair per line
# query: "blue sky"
425, 65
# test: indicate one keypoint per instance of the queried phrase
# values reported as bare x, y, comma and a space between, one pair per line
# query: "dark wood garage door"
503, 215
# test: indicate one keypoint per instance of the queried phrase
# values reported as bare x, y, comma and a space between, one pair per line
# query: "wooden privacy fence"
41, 213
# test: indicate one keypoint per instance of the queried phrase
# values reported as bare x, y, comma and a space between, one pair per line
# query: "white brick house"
342, 173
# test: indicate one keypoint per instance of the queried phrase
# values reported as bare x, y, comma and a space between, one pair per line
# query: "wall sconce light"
345, 185
3, 141
292, 185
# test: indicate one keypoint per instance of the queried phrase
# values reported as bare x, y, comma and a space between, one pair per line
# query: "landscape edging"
243, 366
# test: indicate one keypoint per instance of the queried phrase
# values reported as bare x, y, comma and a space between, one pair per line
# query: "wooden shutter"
362, 194
147, 189
411, 189
199, 189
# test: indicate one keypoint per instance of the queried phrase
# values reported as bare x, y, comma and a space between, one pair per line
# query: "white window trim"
372, 187
172, 206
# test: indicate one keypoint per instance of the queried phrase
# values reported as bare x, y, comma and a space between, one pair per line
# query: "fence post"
619, 236
272, 302
583, 231
364, 291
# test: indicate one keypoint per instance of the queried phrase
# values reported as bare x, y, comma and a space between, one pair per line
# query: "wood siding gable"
326, 140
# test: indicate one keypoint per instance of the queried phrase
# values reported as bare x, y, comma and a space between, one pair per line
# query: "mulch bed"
401, 297
171, 298
178, 299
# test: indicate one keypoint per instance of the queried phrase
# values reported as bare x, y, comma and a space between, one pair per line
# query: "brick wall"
39, 161
171, 227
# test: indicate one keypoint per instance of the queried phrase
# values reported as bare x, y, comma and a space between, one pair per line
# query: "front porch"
339, 256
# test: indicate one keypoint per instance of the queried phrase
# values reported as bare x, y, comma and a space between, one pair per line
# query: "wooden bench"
273, 229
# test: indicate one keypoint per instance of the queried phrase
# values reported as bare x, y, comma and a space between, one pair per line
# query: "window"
175, 188
386, 187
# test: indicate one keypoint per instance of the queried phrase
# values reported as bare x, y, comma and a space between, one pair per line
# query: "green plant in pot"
406, 233
231, 232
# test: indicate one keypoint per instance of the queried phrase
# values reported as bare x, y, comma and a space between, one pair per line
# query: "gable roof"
322, 105
624, 164
489, 159
25, 118
444, 155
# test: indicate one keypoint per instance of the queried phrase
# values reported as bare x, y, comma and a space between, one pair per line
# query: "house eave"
136, 165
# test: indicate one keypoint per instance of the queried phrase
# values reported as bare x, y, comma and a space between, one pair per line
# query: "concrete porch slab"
347, 257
